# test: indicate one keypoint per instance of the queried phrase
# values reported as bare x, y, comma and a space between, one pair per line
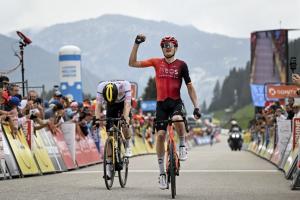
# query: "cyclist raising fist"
169, 74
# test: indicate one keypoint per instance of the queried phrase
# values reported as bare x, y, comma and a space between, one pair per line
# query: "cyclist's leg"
178, 113
160, 143
161, 128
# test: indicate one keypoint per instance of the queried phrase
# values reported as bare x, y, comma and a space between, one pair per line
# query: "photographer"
10, 115
33, 102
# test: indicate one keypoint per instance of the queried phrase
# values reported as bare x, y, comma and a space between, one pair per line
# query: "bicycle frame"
171, 140
113, 135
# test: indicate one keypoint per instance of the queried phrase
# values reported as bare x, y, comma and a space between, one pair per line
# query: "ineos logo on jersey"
168, 72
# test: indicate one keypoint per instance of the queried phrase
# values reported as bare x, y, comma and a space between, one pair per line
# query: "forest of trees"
234, 92
239, 80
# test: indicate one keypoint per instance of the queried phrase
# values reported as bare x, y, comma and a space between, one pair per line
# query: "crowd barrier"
280, 146
53, 150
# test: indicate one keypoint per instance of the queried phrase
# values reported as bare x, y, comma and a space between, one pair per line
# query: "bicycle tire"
172, 170
108, 180
122, 173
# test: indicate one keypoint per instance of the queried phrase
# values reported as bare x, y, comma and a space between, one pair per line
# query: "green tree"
150, 90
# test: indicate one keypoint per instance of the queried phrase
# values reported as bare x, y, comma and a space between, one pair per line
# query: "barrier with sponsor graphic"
281, 147
21, 151
4, 173
55, 149
52, 149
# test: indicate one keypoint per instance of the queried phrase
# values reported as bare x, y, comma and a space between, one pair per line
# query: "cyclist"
117, 97
169, 74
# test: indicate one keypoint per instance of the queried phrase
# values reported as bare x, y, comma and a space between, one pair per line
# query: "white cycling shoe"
162, 180
182, 153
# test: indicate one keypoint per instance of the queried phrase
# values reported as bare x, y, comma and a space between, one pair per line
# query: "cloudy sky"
230, 17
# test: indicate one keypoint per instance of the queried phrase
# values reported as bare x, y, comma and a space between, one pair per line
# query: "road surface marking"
187, 171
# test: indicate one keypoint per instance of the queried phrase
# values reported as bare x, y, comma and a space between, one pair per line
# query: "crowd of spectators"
266, 119
15, 108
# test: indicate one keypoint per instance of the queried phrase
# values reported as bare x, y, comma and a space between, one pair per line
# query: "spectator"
33, 102
4, 94
296, 107
289, 108
296, 79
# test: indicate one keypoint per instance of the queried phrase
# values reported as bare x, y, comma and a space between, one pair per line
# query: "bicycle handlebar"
111, 119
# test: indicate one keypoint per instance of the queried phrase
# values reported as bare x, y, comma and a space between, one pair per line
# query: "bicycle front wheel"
172, 170
123, 163
108, 166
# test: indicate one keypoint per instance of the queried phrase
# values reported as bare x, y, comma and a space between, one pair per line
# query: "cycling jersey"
124, 91
168, 77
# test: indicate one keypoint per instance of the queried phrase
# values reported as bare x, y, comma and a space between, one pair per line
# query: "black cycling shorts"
114, 111
167, 109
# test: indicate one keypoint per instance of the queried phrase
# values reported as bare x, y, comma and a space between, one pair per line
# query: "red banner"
296, 132
63, 148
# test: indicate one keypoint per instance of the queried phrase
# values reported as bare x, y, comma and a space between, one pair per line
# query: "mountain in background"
106, 43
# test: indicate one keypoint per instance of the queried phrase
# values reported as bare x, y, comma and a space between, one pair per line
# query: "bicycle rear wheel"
172, 170
108, 164
124, 161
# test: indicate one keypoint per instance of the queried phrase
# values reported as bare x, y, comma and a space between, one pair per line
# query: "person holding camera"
33, 102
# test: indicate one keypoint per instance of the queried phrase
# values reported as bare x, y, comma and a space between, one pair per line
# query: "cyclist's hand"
197, 113
140, 39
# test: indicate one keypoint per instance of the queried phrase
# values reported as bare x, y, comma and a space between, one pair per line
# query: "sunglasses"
168, 45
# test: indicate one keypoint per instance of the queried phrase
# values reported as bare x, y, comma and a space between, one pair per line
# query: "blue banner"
148, 105
258, 95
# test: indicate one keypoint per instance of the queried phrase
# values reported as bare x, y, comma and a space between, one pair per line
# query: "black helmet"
110, 93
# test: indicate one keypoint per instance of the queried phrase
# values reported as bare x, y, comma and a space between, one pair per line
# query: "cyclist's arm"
190, 87
127, 102
98, 110
99, 102
133, 59
192, 94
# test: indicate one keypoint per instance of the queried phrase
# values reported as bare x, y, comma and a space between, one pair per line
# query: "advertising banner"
296, 132
63, 149
68, 128
9, 157
3, 169
281, 91
41, 154
283, 135
258, 95
52, 149
94, 154
21, 151
82, 152
286, 154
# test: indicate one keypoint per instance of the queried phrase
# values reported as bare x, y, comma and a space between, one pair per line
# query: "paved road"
210, 173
